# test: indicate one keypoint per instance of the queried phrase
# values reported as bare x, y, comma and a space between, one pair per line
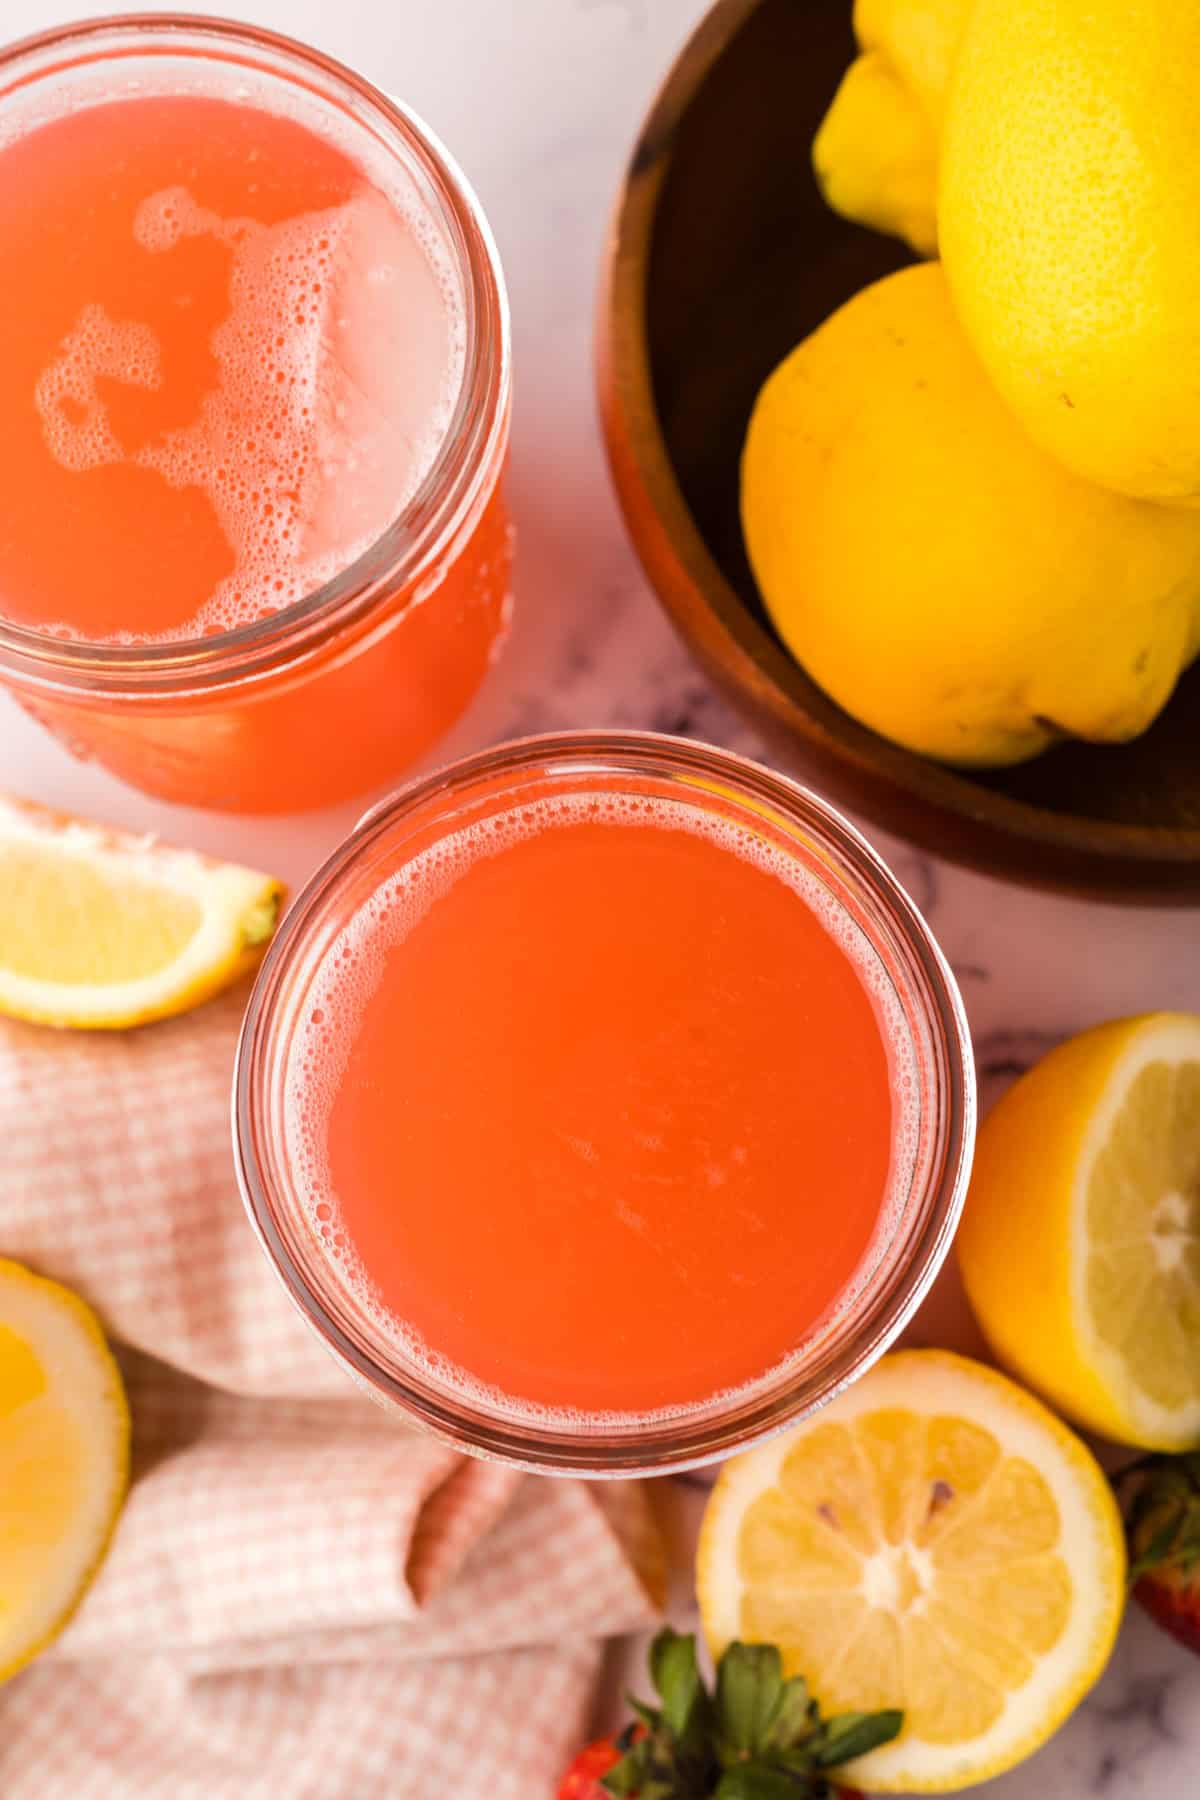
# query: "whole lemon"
876, 153
943, 579
875, 156
920, 38
1069, 223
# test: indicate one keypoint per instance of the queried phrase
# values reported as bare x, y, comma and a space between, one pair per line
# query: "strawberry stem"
1163, 1517
758, 1737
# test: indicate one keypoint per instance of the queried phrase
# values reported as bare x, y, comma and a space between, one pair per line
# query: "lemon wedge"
64, 1458
102, 929
1080, 1244
934, 1540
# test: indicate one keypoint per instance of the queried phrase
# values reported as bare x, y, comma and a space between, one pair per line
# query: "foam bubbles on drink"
353, 966
74, 418
338, 368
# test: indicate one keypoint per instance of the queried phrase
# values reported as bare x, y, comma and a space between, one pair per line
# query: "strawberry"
1164, 1542
582, 1779
757, 1737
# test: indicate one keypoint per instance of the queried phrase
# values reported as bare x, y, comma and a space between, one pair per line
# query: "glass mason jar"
923, 1206
345, 688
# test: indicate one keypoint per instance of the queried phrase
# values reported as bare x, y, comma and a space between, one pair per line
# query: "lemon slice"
102, 929
1080, 1244
64, 1458
935, 1540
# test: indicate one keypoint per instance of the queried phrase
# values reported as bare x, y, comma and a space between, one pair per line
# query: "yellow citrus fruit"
934, 1540
1080, 1243
64, 1458
1067, 217
876, 152
920, 38
875, 155
102, 929
943, 579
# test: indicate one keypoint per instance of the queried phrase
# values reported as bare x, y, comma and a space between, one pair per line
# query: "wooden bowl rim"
725, 634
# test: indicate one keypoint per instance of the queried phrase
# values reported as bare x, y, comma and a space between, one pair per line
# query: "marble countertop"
539, 100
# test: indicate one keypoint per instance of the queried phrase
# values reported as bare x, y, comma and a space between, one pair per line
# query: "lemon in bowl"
1067, 205
947, 582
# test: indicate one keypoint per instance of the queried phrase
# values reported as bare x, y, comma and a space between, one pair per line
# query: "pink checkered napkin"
304, 1600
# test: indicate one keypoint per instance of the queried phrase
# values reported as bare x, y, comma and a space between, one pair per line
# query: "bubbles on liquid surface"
73, 416
339, 365
353, 966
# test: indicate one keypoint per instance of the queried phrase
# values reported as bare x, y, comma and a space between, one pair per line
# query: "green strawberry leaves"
850, 1735
752, 1782
758, 1737
676, 1677
749, 1696
1163, 1520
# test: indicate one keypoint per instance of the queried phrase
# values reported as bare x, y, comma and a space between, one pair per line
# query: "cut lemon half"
935, 1540
64, 1458
101, 929
1080, 1243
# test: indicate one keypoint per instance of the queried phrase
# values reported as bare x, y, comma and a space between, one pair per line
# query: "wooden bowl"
723, 257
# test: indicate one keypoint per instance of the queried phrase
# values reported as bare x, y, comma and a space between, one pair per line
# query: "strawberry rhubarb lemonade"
595, 1096
238, 344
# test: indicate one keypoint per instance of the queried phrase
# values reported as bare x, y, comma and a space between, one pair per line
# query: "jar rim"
421, 538
691, 1437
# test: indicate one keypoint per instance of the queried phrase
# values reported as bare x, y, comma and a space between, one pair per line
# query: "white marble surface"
539, 100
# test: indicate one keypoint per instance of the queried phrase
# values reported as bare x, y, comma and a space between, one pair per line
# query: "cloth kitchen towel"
304, 1599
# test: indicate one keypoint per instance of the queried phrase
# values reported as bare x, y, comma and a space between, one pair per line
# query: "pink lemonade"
233, 356
230, 364
599, 1104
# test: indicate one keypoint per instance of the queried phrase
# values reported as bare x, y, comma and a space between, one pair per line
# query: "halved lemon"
101, 929
934, 1540
1080, 1243
64, 1458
